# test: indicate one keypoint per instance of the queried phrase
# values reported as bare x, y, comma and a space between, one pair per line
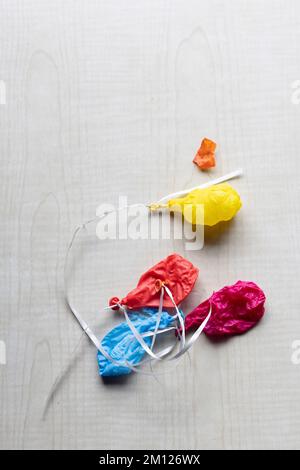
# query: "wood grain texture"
107, 98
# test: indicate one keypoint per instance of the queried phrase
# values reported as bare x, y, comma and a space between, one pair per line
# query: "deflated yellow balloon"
209, 206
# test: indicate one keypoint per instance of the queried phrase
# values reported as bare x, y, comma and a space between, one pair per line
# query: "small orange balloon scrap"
205, 156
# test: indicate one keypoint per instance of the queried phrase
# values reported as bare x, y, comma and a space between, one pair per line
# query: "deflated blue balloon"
122, 346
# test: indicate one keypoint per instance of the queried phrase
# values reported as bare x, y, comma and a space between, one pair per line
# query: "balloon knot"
159, 284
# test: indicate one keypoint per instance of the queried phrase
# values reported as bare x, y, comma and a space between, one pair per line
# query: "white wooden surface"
110, 97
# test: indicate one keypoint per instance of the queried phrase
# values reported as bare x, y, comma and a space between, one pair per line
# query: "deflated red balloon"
235, 309
176, 272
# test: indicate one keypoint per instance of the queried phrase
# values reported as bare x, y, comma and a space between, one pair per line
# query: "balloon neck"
114, 303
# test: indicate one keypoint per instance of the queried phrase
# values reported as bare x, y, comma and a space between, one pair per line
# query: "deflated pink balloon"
235, 309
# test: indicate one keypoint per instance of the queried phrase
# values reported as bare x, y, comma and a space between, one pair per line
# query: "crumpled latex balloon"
220, 202
205, 156
176, 272
235, 309
122, 346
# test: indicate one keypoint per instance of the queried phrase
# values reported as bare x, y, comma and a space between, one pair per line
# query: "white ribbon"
85, 327
184, 346
179, 316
